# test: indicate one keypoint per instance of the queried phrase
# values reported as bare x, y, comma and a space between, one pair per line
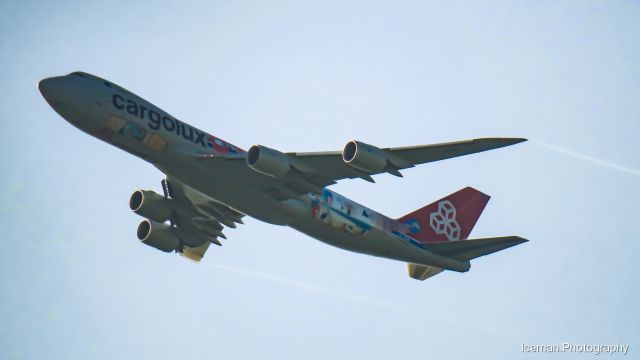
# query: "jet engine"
364, 157
158, 235
151, 205
268, 161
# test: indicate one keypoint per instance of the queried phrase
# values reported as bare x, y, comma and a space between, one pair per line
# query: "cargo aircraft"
211, 184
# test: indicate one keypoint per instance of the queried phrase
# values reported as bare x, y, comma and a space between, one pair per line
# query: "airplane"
211, 184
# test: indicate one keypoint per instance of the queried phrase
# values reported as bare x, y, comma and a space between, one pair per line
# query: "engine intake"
365, 157
268, 161
158, 235
150, 205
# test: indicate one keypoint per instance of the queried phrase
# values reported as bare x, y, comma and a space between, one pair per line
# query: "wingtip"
498, 142
513, 141
520, 240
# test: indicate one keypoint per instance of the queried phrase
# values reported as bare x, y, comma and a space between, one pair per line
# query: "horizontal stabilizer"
422, 272
195, 253
474, 248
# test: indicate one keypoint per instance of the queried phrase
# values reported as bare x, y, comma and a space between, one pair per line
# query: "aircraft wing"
311, 171
333, 165
200, 218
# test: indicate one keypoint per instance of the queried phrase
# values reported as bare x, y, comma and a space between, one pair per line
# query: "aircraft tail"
449, 219
462, 251
474, 248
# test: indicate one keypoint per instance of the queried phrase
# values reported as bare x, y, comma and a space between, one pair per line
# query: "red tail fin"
448, 219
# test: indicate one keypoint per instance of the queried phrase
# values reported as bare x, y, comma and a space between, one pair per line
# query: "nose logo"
443, 221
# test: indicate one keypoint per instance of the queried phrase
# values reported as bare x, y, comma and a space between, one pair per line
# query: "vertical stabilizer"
449, 219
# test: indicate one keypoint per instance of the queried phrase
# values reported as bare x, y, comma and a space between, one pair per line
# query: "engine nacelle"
268, 161
364, 157
150, 205
158, 235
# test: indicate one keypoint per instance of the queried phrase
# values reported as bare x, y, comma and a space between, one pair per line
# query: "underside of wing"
289, 175
362, 160
199, 218
429, 153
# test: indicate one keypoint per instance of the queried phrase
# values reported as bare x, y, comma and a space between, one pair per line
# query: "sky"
310, 76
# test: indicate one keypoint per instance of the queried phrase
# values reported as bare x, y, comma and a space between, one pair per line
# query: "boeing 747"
211, 184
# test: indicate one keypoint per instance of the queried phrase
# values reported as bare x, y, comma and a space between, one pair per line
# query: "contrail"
592, 159
416, 312
304, 285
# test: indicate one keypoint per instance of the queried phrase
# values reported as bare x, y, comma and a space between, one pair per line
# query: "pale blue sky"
305, 76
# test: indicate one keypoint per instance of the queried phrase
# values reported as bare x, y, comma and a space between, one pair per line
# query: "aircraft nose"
53, 90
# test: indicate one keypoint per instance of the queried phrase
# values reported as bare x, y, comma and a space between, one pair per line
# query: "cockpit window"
107, 84
77, 73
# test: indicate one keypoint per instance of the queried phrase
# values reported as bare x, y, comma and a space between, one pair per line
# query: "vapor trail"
451, 320
303, 285
592, 159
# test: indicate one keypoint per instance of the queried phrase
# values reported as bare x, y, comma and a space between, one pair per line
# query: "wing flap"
200, 218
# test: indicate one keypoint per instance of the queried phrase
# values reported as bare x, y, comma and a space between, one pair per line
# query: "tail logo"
443, 221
